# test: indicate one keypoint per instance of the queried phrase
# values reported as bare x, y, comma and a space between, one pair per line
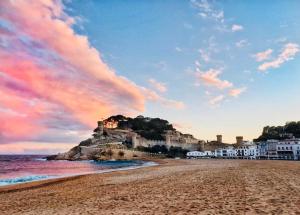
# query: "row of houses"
270, 149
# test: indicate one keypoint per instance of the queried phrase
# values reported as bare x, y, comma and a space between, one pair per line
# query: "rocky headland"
112, 139
121, 138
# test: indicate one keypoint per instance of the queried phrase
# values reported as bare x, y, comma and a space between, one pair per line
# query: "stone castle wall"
138, 141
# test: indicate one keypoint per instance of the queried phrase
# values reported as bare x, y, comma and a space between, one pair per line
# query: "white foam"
24, 179
31, 178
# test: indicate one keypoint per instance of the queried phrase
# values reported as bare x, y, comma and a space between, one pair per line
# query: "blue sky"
208, 67
162, 40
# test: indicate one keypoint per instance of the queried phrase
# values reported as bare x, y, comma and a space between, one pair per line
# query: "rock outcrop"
117, 136
106, 144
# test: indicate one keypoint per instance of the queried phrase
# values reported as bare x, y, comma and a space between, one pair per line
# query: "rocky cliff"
105, 144
113, 137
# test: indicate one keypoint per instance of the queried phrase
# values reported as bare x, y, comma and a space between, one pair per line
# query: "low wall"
150, 143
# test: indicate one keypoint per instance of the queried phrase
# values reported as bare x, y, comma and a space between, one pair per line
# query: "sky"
208, 67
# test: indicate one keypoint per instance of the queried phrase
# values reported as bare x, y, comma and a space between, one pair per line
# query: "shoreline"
173, 187
40, 182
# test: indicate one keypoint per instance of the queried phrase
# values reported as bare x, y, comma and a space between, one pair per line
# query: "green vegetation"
110, 153
121, 154
280, 132
149, 128
171, 153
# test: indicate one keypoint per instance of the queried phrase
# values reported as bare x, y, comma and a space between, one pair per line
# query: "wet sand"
174, 187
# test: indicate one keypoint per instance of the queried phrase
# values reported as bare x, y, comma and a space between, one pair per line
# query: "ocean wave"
24, 179
114, 166
40, 159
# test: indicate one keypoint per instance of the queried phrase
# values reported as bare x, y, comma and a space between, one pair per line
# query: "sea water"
16, 169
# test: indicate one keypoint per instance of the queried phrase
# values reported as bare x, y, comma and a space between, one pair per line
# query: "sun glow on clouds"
49, 72
35, 148
265, 55
161, 87
210, 78
288, 52
237, 91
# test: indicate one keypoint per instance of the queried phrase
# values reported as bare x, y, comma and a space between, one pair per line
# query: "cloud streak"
155, 97
288, 52
161, 87
216, 100
207, 11
211, 78
265, 55
236, 27
241, 43
237, 91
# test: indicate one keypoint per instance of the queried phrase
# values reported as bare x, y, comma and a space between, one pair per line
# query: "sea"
15, 169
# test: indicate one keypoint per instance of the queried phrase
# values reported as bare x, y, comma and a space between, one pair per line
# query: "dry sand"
174, 187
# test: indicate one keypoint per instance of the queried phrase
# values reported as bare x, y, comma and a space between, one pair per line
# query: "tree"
121, 154
149, 128
109, 153
280, 132
177, 152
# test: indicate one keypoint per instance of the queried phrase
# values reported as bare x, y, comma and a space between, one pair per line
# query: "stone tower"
100, 127
201, 143
239, 140
134, 140
219, 138
168, 139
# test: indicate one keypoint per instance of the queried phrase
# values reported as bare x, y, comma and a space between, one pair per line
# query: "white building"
209, 153
283, 149
219, 153
228, 152
248, 150
194, 154
270, 149
288, 149
198, 154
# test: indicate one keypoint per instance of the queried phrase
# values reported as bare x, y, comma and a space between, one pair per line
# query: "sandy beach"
173, 187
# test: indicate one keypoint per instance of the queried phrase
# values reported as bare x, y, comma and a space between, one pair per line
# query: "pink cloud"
52, 74
237, 91
261, 56
153, 96
211, 78
236, 27
48, 70
58, 36
161, 87
287, 54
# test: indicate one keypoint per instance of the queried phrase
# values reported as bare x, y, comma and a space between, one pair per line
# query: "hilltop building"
239, 140
172, 139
